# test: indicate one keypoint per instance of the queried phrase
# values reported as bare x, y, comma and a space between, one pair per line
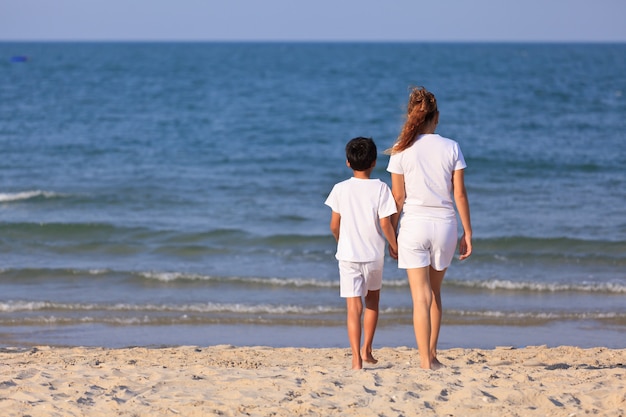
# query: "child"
360, 221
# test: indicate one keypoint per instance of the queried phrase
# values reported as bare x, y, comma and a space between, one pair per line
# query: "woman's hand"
465, 247
393, 252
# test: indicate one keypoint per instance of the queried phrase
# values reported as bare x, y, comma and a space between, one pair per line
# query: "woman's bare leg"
436, 312
421, 293
370, 320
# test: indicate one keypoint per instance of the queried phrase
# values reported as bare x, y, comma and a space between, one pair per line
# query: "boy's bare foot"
367, 357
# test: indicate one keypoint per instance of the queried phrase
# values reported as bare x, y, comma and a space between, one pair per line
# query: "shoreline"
580, 333
260, 381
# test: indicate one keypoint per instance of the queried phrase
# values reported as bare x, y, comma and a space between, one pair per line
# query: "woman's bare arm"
399, 195
462, 206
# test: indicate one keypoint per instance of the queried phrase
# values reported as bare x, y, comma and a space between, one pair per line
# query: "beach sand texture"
263, 381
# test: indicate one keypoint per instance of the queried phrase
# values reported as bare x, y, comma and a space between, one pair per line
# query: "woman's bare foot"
435, 364
357, 363
367, 357
432, 363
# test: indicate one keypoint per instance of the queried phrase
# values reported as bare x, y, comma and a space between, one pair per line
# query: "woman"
426, 171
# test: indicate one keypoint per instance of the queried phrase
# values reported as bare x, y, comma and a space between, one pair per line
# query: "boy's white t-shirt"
361, 203
427, 166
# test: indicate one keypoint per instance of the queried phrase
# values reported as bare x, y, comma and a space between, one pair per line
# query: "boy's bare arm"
390, 234
335, 220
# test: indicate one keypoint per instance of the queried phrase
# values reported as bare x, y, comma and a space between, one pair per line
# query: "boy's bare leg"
370, 320
436, 311
355, 309
421, 293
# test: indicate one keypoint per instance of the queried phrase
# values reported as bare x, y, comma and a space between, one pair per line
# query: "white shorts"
357, 278
423, 242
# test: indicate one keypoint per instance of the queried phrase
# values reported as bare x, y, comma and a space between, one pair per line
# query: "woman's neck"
430, 128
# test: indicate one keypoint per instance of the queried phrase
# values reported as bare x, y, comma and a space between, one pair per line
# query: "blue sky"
317, 20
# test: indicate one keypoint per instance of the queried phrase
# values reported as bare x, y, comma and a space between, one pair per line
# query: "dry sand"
263, 381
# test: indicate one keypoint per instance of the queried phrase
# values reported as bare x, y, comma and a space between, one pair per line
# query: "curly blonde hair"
421, 110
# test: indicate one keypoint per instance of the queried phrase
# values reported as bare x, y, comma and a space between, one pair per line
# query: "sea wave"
167, 238
269, 282
537, 286
553, 246
526, 318
28, 313
198, 308
15, 307
49, 275
616, 287
496, 248
27, 195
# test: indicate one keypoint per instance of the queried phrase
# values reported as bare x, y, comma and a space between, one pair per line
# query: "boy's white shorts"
423, 242
357, 278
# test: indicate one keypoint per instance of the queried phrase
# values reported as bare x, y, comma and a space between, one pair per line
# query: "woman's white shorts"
357, 278
423, 242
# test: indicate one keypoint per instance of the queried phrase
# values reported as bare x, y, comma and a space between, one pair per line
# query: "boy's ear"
373, 164
348, 163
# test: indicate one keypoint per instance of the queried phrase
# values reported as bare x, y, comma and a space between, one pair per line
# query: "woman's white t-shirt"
427, 166
361, 203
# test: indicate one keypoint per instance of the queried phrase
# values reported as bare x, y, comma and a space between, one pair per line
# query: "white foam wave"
18, 306
130, 314
609, 287
519, 315
492, 284
278, 282
26, 195
13, 306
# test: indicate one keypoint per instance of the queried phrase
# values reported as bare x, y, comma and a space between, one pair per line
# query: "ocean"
157, 194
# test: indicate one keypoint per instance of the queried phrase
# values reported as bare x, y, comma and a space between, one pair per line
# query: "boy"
360, 222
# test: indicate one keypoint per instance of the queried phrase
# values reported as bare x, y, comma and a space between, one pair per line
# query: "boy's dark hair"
361, 153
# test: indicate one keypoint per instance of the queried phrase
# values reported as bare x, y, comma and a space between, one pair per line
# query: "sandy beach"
263, 381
